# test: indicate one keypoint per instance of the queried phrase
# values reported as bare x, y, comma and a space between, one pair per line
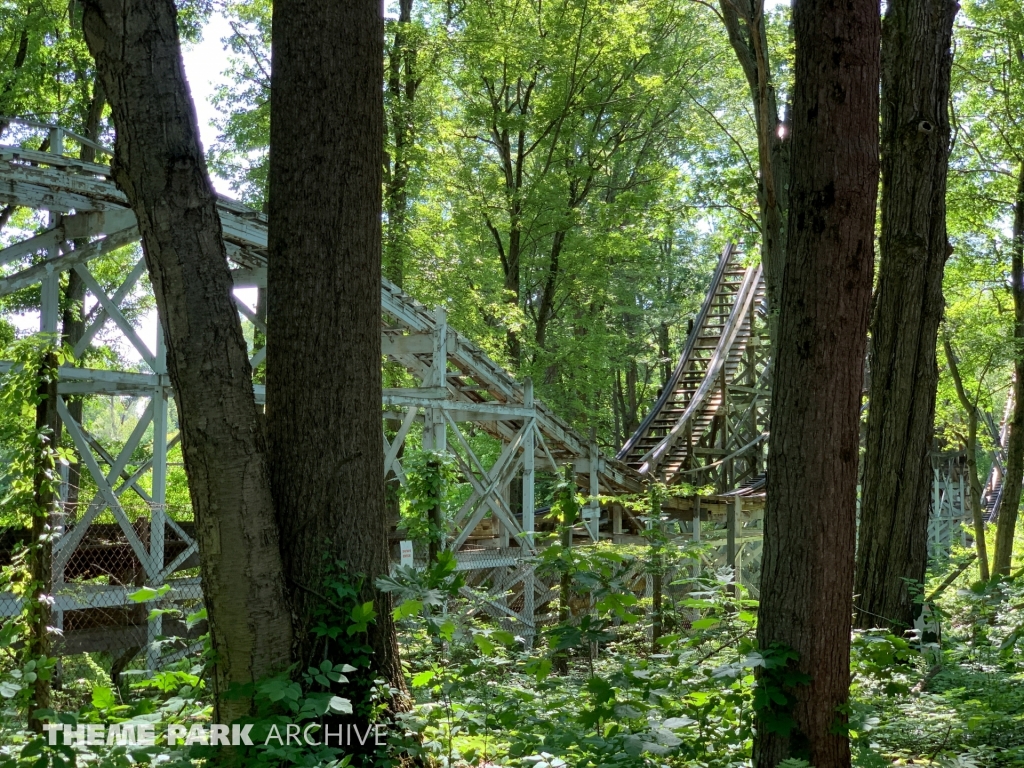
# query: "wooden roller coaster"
707, 431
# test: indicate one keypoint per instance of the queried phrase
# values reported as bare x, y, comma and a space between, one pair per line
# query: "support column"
50, 300
439, 378
695, 524
529, 607
734, 525
592, 513
723, 473
158, 510
657, 574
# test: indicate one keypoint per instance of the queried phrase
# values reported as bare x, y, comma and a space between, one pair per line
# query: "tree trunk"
159, 166
1007, 522
40, 559
971, 448
810, 522
403, 82
73, 318
324, 319
665, 353
908, 304
546, 311
744, 23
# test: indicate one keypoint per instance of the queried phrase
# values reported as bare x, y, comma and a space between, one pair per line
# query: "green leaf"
447, 630
340, 705
33, 748
484, 644
407, 609
423, 678
103, 698
146, 594
705, 623
539, 668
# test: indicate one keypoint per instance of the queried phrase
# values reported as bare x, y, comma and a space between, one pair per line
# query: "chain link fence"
103, 595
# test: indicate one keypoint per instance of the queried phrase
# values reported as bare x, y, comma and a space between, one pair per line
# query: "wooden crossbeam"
391, 463
114, 313
119, 295
106, 492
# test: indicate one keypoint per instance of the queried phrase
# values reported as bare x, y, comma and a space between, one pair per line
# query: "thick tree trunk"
159, 165
1014, 473
808, 562
893, 546
324, 319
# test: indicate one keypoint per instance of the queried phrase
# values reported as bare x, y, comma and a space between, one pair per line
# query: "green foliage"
47, 69
429, 476
774, 695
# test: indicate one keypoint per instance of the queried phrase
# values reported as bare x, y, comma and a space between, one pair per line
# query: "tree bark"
324, 317
893, 546
744, 23
73, 316
1012, 477
665, 353
971, 448
403, 82
41, 552
810, 521
159, 166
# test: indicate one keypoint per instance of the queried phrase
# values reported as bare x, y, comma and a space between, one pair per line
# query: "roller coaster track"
712, 412
80, 218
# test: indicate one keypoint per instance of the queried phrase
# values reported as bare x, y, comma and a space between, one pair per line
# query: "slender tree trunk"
546, 311
403, 82
324, 280
808, 561
19, 61
73, 319
41, 552
893, 547
159, 166
561, 658
971, 447
631, 417
744, 23
1012, 477
512, 275
665, 352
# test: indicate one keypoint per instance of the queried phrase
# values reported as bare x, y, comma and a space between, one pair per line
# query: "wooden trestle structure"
88, 218
707, 429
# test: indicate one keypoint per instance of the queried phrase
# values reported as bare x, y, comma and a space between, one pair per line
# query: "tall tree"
402, 84
745, 24
159, 166
893, 547
971, 443
324, 316
1010, 504
73, 317
988, 190
810, 522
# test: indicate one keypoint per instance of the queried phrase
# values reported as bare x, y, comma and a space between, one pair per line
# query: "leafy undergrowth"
959, 701
484, 698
